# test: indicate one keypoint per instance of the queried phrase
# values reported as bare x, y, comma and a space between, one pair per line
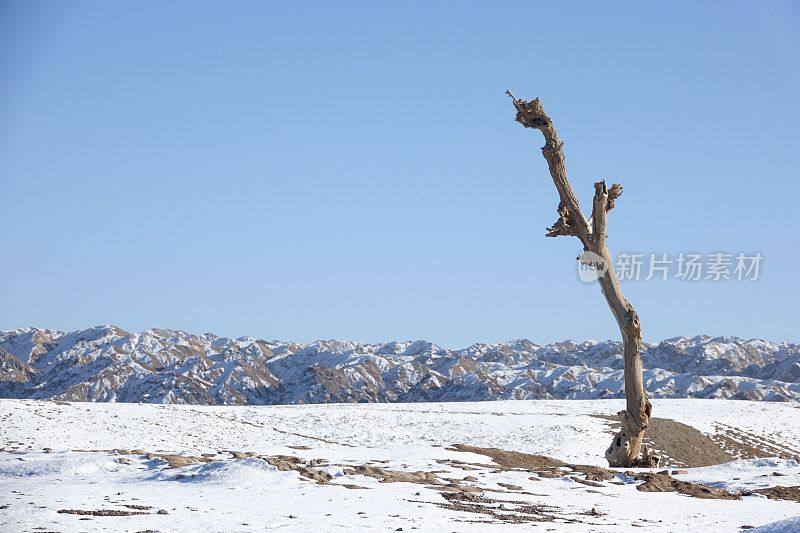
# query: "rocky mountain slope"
106, 363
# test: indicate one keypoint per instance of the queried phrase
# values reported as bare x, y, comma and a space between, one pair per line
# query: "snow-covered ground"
375, 467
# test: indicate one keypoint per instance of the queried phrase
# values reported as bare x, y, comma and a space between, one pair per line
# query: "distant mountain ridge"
106, 363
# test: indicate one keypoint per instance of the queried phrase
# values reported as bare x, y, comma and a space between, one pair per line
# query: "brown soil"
508, 511
100, 512
310, 469
391, 476
543, 465
464, 465
682, 445
178, 461
509, 459
289, 462
781, 493
588, 482
678, 444
744, 444
284, 463
667, 483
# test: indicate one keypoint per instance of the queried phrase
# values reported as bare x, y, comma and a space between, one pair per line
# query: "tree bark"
626, 449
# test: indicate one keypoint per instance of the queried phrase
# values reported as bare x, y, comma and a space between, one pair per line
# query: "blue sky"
352, 170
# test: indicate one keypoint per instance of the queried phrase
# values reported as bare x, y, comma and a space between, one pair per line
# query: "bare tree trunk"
626, 448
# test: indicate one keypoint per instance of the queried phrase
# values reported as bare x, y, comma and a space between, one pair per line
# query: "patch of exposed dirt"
678, 444
100, 512
545, 466
178, 461
512, 460
509, 486
312, 469
307, 470
461, 496
508, 511
594, 473
780, 493
667, 483
586, 482
742, 444
391, 476
455, 463
428, 479
542, 465
352, 487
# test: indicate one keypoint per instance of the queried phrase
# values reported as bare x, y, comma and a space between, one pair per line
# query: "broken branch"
532, 115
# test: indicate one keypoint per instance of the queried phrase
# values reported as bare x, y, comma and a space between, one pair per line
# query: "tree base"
626, 449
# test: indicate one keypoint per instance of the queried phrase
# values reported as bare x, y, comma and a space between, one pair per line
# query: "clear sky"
353, 170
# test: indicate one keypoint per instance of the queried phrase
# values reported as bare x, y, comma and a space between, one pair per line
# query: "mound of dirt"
678, 444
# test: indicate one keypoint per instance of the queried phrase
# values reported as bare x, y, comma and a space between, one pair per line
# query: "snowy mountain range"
107, 364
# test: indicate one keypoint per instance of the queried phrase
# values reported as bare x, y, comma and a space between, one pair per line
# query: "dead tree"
626, 448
